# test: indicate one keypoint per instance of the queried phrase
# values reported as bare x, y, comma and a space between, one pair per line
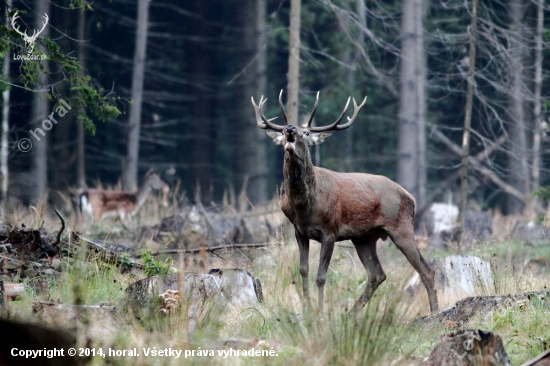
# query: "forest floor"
384, 333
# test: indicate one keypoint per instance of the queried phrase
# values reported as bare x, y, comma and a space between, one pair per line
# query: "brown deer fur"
100, 203
327, 206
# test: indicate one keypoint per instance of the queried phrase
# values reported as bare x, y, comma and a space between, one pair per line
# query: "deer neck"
299, 180
142, 194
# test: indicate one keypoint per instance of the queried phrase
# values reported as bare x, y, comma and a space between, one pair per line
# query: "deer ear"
277, 137
317, 138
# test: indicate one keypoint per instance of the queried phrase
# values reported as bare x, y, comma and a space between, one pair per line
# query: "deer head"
152, 180
29, 40
297, 139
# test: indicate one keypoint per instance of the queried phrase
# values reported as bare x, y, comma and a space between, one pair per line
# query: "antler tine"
356, 109
261, 120
333, 125
313, 111
283, 107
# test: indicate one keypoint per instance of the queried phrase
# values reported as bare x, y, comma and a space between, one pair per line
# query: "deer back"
100, 203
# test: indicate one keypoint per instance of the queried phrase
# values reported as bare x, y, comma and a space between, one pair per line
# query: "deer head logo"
29, 40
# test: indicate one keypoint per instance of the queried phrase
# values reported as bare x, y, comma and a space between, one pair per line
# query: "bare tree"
518, 164
345, 152
81, 147
293, 85
134, 121
467, 124
536, 165
202, 128
251, 158
411, 144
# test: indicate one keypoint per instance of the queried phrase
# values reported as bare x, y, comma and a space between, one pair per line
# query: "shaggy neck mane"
299, 179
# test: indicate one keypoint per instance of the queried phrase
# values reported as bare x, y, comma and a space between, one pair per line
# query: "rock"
469, 348
30, 273
479, 225
439, 221
56, 262
255, 231
456, 277
530, 231
444, 216
541, 360
49, 272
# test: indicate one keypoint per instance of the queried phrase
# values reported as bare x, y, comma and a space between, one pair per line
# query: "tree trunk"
411, 143
4, 149
293, 85
345, 152
467, 124
252, 156
134, 121
40, 112
537, 102
421, 67
518, 171
62, 136
81, 143
202, 127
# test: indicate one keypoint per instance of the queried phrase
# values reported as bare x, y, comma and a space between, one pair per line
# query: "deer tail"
83, 200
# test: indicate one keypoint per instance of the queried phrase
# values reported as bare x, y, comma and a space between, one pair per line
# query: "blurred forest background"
181, 74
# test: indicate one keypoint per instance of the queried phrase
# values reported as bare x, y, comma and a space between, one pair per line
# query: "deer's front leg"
327, 247
303, 247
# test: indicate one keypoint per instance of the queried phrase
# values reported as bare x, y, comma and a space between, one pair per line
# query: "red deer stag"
327, 206
100, 204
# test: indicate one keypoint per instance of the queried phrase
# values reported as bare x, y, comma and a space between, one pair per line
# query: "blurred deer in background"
99, 203
327, 206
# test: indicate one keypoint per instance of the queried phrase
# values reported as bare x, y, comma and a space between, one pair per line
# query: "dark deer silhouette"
327, 206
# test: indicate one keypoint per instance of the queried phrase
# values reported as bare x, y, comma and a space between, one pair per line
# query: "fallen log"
12, 290
212, 249
73, 306
116, 251
541, 360
470, 307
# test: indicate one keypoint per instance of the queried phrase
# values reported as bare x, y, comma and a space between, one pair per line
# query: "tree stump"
469, 348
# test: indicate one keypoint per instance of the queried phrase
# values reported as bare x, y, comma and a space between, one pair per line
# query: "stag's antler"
334, 126
261, 120
265, 123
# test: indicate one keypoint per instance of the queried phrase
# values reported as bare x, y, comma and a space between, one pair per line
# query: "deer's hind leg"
366, 250
403, 238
